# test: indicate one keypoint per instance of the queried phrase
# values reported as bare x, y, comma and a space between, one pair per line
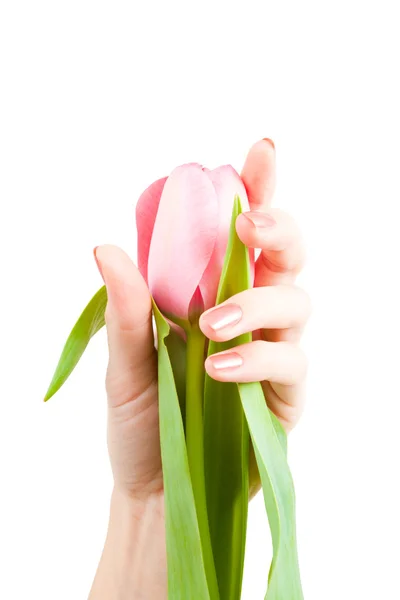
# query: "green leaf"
186, 570
279, 497
270, 447
280, 432
176, 347
88, 324
226, 444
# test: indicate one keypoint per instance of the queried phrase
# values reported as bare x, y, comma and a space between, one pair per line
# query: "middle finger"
270, 307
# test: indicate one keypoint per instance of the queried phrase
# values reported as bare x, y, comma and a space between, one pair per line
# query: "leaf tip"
52, 389
48, 395
238, 203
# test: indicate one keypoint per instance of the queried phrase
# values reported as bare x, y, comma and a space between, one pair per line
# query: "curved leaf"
176, 347
186, 571
226, 446
88, 324
279, 496
269, 442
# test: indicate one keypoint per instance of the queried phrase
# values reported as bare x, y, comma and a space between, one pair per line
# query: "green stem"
195, 445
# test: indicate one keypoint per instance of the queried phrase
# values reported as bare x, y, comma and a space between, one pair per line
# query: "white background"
97, 100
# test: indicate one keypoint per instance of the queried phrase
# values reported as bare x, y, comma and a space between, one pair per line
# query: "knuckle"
305, 303
280, 215
289, 416
302, 302
301, 257
302, 365
288, 223
296, 359
296, 300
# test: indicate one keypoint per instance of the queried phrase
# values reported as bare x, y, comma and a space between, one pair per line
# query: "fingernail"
260, 219
97, 262
270, 142
223, 316
230, 360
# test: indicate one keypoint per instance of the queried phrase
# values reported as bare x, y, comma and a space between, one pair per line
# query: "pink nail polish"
230, 360
270, 142
260, 219
223, 316
97, 262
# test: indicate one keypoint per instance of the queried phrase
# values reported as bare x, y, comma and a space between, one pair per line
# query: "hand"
275, 310
133, 564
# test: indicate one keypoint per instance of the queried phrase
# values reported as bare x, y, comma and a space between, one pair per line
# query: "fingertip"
98, 263
211, 372
246, 231
258, 172
262, 152
116, 266
208, 331
109, 257
203, 326
128, 295
270, 142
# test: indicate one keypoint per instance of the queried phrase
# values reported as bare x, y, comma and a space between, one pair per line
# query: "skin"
133, 563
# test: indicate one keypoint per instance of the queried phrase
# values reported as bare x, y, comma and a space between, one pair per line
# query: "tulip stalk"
195, 350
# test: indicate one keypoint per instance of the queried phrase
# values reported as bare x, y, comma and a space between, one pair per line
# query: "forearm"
133, 563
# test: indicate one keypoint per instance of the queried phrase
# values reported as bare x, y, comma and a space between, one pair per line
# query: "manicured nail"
223, 316
97, 262
230, 360
270, 142
260, 219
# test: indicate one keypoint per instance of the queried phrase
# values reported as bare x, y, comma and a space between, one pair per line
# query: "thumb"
132, 367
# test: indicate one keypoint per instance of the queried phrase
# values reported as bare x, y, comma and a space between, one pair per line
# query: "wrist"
133, 564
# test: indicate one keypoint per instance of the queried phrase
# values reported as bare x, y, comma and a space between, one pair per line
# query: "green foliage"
226, 442
278, 490
186, 571
88, 324
269, 442
176, 347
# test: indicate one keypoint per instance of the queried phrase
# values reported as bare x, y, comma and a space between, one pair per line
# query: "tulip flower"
183, 226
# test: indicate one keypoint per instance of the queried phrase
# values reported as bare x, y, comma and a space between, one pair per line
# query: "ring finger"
280, 362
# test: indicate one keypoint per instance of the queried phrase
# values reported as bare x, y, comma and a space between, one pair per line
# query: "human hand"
275, 310
133, 563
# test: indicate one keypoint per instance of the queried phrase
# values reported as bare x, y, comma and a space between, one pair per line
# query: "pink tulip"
183, 226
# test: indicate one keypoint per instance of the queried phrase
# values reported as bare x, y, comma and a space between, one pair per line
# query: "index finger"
259, 174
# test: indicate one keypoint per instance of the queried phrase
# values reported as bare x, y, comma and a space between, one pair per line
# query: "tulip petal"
146, 212
183, 240
227, 184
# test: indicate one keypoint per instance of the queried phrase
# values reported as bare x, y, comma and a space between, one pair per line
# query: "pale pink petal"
146, 211
183, 239
227, 184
